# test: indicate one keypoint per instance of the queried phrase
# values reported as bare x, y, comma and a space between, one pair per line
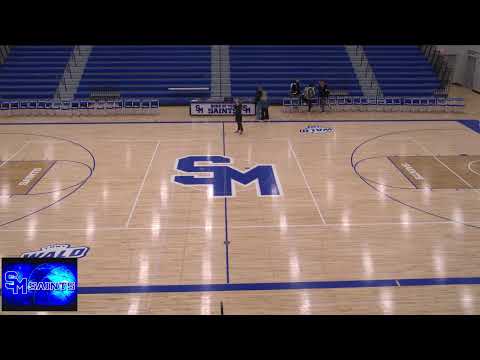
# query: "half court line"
227, 260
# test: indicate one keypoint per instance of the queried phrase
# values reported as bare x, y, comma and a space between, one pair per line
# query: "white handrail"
188, 88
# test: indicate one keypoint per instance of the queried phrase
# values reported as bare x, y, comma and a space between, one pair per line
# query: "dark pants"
239, 124
265, 113
308, 102
323, 101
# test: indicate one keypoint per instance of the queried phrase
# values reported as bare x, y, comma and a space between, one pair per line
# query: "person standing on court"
258, 105
238, 115
309, 95
323, 93
264, 102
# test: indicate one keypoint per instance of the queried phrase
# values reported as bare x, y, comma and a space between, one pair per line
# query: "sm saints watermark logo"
222, 177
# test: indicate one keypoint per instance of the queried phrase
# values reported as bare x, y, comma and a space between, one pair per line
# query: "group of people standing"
311, 92
261, 104
261, 109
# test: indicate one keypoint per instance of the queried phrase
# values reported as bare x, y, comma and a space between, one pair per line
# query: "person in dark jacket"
323, 94
258, 105
238, 115
264, 104
295, 88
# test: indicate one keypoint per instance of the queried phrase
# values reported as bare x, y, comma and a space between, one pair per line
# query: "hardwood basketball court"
374, 217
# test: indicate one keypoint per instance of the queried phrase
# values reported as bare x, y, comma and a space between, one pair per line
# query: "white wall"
461, 52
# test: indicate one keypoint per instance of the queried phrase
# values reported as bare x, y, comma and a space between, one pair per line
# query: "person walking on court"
264, 102
258, 105
323, 93
309, 95
238, 115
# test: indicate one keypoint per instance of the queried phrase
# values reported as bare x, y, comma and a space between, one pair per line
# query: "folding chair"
408, 104
371, 103
155, 106
14, 106
41, 107
341, 103
23, 107
109, 107
66, 108
296, 102
356, 103
91, 107
432, 103
83, 107
364, 103
424, 104
128, 106
145, 106
118, 106
32, 107
47, 107
397, 104
56, 107
100, 107
441, 104
287, 104
381, 104
416, 104
5, 108
136, 106
331, 103
389, 103
75, 107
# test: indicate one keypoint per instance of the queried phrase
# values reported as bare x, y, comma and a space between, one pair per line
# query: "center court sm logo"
222, 175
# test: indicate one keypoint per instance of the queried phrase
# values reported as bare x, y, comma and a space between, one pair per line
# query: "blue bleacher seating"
274, 67
148, 72
402, 70
33, 72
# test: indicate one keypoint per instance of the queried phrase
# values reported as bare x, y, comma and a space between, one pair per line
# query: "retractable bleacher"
402, 70
274, 67
159, 72
33, 72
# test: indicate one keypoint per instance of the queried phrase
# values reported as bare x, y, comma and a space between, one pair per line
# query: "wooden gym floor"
375, 217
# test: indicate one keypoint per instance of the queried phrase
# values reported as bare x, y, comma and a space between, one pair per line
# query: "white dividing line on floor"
398, 284
158, 140
222, 227
11, 157
445, 165
141, 186
306, 182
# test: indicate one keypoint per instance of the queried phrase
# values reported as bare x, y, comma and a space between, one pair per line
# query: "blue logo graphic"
13, 283
222, 175
39, 284
316, 129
